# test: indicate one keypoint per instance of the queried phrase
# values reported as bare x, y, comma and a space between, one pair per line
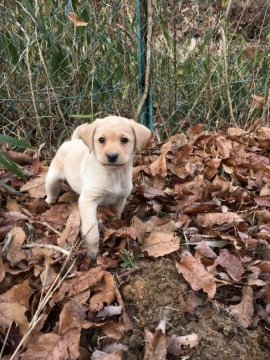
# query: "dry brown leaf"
262, 200
202, 249
15, 254
113, 329
13, 312
263, 133
212, 167
114, 355
192, 302
236, 132
48, 276
160, 243
232, 265
12, 205
74, 18
179, 170
72, 316
72, 229
81, 282
245, 309
18, 158
194, 131
210, 219
224, 147
156, 345
107, 262
106, 295
265, 190
57, 215
257, 101
140, 228
196, 275
159, 166
53, 347
36, 186
2, 270
18, 293
124, 317
180, 344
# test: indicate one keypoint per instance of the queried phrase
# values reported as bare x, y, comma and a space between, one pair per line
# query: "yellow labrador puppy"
97, 164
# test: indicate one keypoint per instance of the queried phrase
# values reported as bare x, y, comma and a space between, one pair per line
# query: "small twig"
186, 240
49, 226
38, 314
47, 246
126, 272
148, 58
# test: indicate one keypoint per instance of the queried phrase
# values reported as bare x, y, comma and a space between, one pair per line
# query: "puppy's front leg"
89, 225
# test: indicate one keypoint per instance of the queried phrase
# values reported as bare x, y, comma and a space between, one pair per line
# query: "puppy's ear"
85, 132
142, 134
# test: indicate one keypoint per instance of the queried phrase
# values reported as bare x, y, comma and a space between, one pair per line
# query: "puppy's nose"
112, 157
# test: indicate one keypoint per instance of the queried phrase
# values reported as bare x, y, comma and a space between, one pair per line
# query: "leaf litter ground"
199, 215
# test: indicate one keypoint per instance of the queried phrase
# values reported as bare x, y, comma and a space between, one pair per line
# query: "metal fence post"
146, 114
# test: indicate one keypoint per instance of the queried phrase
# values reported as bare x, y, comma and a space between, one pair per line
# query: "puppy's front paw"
92, 242
50, 201
92, 252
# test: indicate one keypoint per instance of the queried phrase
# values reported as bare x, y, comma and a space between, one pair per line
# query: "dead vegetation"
199, 215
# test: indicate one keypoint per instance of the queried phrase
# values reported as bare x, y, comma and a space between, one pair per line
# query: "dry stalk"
226, 74
54, 286
52, 289
49, 226
49, 80
148, 58
47, 246
226, 64
5, 341
30, 76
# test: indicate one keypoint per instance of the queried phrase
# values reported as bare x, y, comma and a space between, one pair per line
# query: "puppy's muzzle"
112, 157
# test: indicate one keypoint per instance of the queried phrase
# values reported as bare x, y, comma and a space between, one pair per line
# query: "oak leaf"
197, 276
232, 265
160, 243
36, 186
210, 219
18, 293
13, 312
106, 295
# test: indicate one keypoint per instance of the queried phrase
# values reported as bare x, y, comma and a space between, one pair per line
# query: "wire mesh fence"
210, 64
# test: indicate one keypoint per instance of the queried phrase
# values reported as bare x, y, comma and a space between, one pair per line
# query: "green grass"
52, 71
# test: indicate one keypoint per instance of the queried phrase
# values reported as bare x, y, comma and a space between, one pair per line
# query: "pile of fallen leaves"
200, 199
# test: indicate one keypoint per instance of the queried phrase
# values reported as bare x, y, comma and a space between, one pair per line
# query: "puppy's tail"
75, 135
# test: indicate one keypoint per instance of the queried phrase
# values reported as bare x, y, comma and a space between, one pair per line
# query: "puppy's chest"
117, 188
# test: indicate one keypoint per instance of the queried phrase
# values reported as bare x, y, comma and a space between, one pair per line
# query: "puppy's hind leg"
52, 184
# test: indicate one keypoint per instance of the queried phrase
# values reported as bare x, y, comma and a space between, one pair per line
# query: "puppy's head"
114, 139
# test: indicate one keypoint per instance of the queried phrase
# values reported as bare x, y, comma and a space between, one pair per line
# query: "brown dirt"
158, 292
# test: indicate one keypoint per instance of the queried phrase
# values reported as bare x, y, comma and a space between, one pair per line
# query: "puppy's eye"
124, 140
101, 140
